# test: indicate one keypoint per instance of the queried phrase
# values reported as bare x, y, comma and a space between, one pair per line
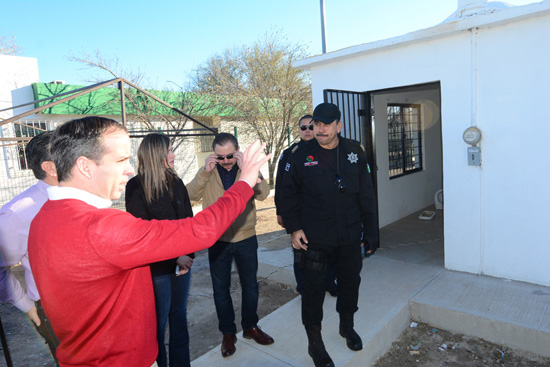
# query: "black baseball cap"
326, 113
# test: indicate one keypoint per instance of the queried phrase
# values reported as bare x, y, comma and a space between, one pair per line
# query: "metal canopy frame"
85, 90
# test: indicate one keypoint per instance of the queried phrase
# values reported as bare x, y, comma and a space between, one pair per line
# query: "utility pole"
323, 34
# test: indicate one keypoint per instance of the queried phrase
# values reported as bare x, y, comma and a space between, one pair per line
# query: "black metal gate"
353, 106
358, 123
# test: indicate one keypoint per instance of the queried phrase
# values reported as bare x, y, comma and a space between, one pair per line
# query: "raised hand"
211, 162
252, 160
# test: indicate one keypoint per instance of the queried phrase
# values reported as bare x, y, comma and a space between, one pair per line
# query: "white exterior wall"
512, 112
16, 76
186, 157
495, 77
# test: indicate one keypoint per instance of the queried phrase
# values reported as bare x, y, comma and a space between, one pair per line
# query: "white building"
486, 66
16, 76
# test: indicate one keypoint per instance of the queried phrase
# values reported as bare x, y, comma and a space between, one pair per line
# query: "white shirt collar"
60, 193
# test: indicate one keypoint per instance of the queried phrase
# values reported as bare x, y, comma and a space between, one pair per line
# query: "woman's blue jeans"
221, 256
171, 294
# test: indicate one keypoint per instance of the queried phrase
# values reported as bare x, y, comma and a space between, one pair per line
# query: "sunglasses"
305, 127
222, 157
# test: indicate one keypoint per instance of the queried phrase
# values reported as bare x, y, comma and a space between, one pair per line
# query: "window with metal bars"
29, 130
404, 139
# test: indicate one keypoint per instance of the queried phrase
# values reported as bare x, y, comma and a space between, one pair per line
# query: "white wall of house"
494, 74
16, 76
513, 85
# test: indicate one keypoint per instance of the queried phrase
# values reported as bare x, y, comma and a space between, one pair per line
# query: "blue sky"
167, 39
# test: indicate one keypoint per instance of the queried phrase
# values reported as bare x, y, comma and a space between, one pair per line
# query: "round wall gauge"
472, 135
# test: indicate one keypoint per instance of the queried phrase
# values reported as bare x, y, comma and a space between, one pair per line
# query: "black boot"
316, 348
353, 340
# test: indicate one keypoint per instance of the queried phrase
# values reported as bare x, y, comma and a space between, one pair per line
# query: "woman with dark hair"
158, 193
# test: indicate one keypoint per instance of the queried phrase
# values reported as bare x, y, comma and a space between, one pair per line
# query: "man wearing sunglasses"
239, 243
327, 203
92, 261
305, 131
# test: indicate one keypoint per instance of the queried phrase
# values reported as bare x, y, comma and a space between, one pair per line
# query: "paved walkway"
405, 279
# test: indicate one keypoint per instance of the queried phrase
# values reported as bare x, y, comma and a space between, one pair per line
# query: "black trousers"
347, 262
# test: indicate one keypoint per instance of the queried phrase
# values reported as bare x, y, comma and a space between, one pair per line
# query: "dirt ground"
426, 346
421, 346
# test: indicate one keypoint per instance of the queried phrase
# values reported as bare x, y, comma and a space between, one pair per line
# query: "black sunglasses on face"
222, 157
305, 127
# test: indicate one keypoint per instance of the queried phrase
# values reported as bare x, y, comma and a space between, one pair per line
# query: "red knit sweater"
89, 266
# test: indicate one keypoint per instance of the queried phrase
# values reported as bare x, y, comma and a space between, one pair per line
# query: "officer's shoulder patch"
355, 143
356, 146
295, 148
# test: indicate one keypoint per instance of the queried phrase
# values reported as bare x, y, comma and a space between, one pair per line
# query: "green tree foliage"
260, 84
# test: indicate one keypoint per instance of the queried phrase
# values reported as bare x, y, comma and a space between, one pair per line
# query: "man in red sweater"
92, 260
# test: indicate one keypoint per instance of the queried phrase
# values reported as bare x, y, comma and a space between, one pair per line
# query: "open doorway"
400, 129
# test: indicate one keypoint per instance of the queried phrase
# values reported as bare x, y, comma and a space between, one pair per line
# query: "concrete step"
501, 311
394, 290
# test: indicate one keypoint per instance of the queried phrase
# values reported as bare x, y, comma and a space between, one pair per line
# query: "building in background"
419, 103
19, 85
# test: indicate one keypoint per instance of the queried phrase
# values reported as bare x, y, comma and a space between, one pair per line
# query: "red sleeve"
128, 242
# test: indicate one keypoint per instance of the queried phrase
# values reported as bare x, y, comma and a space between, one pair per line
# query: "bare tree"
260, 86
8, 46
147, 111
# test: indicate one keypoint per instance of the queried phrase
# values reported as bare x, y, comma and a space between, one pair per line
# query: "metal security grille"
16, 175
404, 139
27, 130
358, 121
353, 106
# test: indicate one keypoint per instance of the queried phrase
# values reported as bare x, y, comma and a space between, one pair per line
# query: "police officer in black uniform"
305, 125
327, 203
306, 134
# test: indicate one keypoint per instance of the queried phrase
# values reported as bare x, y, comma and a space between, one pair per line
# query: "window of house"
26, 129
404, 139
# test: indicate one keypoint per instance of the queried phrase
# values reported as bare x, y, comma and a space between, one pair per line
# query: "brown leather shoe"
258, 335
228, 345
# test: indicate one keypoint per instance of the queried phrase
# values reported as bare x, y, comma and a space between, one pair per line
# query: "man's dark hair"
304, 117
80, 138
38, 150
224, 138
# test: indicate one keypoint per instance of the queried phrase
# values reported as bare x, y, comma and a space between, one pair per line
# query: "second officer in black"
327, 203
